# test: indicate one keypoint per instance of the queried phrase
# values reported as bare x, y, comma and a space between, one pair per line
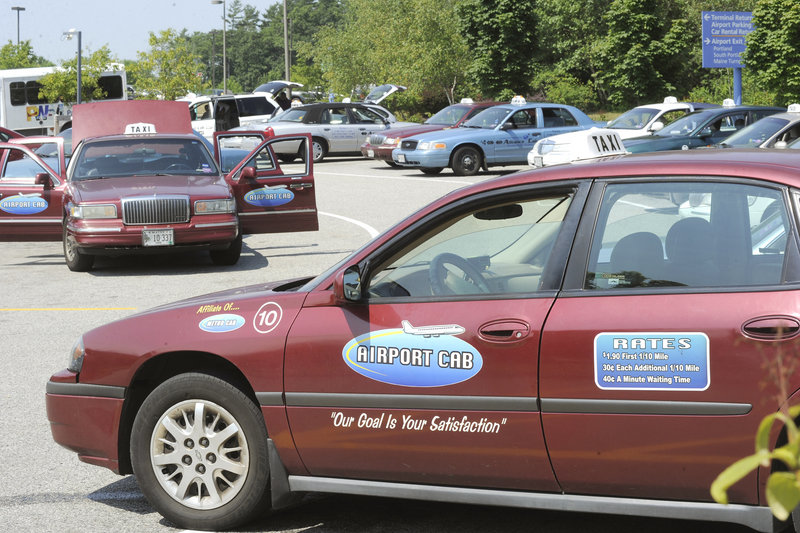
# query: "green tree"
773, 48
644, 53
170, 70
501, 38
418, 46
20, 56
63, 83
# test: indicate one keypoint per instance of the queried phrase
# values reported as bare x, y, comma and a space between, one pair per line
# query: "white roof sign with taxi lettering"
576, 146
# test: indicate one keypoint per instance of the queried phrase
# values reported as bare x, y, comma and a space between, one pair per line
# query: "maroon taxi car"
140, 181
599, 337
380, 145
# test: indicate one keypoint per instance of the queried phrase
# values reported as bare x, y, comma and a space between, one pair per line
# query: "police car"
500, 135
597, 338
576, 146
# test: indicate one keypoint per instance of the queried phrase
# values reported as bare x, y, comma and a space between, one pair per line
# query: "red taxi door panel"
655, 365
433, 378
271, 196
480, 430
30, 196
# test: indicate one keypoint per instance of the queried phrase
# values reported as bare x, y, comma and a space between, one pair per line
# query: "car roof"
779, 166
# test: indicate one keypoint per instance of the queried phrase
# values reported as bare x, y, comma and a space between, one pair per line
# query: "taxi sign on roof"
139, 128
97, 119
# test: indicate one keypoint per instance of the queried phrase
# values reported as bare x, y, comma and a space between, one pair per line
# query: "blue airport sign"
724, 34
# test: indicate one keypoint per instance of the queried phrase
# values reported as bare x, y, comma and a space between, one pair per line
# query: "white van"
24, 111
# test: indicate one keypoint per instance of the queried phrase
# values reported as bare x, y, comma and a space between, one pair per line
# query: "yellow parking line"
67, 309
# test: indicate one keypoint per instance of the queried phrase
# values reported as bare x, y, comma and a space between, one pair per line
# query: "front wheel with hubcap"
77, 261
318, 150
199, 453
466, 161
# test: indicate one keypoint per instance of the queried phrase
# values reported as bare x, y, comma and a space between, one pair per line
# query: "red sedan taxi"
140, 181
380, 145
600, 337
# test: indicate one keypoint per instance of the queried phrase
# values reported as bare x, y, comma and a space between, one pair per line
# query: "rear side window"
691, 234
555, 117
256, 105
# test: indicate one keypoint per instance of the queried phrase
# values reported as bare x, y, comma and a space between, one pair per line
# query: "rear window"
252, 106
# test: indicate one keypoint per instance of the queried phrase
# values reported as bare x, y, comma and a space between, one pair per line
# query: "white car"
336, 128
650, 118
574, 146
225, 112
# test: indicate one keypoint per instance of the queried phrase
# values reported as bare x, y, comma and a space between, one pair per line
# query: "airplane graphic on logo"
432, 331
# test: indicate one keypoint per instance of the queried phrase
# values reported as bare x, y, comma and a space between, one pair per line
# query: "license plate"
370, 153
158, 237
401, 158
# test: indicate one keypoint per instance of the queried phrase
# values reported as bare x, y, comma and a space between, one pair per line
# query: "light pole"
286, 44
224, 51
68, 35
17, 9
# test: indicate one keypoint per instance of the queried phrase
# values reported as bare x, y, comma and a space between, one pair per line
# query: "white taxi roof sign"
518, 100
794, 108
139, 128
670, 100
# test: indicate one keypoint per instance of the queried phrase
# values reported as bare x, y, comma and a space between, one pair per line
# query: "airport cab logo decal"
425, 356
652, 361
269, 196
23, 204
221, 323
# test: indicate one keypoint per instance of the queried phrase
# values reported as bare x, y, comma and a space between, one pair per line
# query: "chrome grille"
376, 139
155, 210
408, 145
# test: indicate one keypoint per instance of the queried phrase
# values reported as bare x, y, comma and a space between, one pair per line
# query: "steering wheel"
437, 274
178, 166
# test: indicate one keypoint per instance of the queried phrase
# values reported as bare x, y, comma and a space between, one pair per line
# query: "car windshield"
137, 156
448, 116
686, 125
293, 114
756, 133
635, 119
489, 118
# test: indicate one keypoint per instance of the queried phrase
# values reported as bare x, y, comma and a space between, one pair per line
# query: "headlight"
93, 211
76, 357
212, 207
431, 145
392, 141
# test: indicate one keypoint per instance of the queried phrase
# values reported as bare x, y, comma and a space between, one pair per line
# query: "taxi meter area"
140, 181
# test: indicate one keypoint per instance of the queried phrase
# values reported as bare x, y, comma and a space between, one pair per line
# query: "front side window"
499, 249
366, 116
689, 234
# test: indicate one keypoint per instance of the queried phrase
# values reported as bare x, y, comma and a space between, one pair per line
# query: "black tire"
431, 171
229, 256
319, 149
286, 158
76, 260
392, 164
227, 455
466, 161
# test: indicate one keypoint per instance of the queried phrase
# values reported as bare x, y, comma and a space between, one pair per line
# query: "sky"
124, 26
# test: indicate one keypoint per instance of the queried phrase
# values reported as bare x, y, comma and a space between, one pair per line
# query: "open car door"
31, 190
271, 196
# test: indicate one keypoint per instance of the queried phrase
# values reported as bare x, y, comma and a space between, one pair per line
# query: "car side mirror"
508, 126
347, 284
43, 179
247, 173
706, 132
781, 145
657, 126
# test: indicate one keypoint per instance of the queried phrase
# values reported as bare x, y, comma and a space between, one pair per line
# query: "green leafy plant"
783, 487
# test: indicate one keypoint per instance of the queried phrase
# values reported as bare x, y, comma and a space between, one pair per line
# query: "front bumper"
111, 237
85, 418
421, 158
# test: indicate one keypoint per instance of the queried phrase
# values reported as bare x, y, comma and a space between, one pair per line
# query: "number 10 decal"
267, 317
